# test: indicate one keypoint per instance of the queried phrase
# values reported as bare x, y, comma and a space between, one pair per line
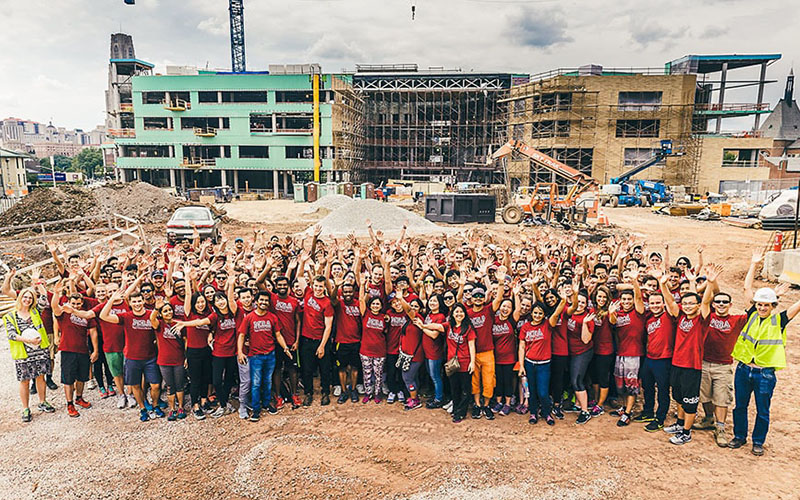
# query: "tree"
87, 161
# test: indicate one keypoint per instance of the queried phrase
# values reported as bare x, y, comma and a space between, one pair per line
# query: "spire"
788, 93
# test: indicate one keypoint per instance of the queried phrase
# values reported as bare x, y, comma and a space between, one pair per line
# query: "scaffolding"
347, 122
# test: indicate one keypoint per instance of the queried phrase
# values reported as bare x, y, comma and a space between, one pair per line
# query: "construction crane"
622, 191
544, 197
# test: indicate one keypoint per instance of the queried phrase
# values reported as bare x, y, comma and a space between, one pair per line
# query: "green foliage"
87, 161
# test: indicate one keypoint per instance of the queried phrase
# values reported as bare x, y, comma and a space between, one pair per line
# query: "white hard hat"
766, 295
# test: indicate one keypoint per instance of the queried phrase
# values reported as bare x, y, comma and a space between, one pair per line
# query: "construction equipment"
544, 198
621, 191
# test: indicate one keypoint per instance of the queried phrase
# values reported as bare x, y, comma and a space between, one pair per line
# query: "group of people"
545, 326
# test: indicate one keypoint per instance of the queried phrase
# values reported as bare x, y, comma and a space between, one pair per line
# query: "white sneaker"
91, 384
448, 407
360, 389
229, 409
681, 438
219, 412
674, 429
337, 391
122, 402
132, 401
385, 388
401, 397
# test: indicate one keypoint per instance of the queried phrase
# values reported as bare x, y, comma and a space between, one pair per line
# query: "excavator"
544, 198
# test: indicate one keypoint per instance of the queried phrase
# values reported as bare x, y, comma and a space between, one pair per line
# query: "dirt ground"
358, 451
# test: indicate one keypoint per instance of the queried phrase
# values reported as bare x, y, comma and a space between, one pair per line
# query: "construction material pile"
352, 217
50, 204
139, 200
329, 203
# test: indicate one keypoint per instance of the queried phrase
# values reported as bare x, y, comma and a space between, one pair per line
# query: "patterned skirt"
37, 363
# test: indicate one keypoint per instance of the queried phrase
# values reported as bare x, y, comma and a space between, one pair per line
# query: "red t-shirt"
113, 334
373, 335
224, 332
574, 330
721, 337
458, 345
197, 336
690, 335
315, 310
660, 336
560, 344
601, 336
411, 342
170, 346
177, 308
46, 312
397, 320
261, 332
242, 313
505, 347
482, 321
348, 322
140, 338
538, 341
378, 290
285, 310
434, 348
74, 333
630, 332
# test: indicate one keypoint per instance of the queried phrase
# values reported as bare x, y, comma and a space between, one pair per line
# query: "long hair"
601, 312
443, 309
220, 295
18, 302
195, 297
466, 323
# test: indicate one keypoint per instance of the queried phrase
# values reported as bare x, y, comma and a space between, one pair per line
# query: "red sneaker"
279, 402
82, 402
296, 401
112, 392
73, 412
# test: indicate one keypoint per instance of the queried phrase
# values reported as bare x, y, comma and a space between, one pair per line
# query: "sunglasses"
722, 301
428, 282
449, 298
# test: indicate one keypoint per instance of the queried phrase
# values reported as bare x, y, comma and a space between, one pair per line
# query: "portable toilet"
299, 192
312, 192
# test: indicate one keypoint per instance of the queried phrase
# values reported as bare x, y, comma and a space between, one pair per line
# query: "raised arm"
751, 275
7, 289
712, 274
553, 320
669, 301
106, 314
362, 296
586, 333
638, 301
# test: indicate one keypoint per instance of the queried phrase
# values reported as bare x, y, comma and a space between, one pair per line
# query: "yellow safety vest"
18, 347
762, 342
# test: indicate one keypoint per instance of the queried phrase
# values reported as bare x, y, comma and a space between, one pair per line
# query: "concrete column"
236, 181
138, 174
172, 177
275, 183
286, 183
183, 180
763, 77
274, 122
721, 101
223, 177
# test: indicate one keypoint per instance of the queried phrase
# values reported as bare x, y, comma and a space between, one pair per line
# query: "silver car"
185, 219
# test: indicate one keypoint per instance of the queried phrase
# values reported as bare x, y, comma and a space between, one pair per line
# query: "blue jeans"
538, 387
435, 371
760, 382
261, 368
655, 373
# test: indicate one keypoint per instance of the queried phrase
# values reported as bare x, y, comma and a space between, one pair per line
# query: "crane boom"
236, 8
547, 162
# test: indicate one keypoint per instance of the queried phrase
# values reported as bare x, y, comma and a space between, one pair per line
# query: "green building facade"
245, 130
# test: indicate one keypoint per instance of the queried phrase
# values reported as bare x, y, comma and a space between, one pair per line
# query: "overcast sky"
55, 53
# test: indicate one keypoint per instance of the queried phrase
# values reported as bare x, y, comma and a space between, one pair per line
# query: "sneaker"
173, 415
158, 412
279, 403
229, 408
82, 402
46, 407
682, 438
390, 399
91, 384
488, 413
296, 402
434, 404
143, 415
26, 415
673, 429
103, 393
50, 383
550, 420
476, 412
401, 397
122, 402
558, 413
219, 412
343, 398
181, 414
643, 417
583, 417
457, 420
325, 401
497, 407
618, 412
569, 407
360, 388
255, 417
111, 392
624, 420
337, 390
653, 426
132, 401
366, 399
308, 400
354, 396
736, 443
521, 409
207, 407
412, 404
596, 410
707, 423
199, 414
448, 407
757, 450
533, 419
505, 410
162, 404
720, 437
271, 409
147, 405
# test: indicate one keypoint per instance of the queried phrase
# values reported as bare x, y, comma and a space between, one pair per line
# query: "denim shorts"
135, 368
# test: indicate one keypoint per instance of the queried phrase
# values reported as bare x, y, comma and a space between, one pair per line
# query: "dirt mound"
328, 203
352, 218
49, 204
139, 200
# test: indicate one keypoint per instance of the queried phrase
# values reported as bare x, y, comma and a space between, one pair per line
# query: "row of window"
196, 151
562, 101
236, 96
561, 128
258, 122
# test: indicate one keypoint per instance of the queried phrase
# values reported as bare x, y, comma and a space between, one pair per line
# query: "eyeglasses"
722, 301
449, 298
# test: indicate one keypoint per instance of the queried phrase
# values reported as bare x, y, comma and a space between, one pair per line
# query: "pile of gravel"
353, 216
330, 203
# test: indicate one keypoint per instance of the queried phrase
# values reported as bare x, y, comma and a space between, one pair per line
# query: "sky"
54, 54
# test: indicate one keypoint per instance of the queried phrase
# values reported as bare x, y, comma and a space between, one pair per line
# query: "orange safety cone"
602, 218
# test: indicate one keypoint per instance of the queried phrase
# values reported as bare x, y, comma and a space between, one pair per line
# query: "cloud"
334, 48
539, 28
713, 32
215, 26
651, 33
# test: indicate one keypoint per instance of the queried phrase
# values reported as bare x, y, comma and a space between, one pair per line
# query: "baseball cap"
237, 240
479, 291
157, 274
766, 295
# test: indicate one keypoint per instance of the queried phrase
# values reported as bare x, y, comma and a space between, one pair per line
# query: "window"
205, 122
253, 152
638, 128
249, 96
559, 101
207, 96
639, 101
156, 123
153, 97
260, 123
299, 123
519, 107
295, 152
550, 128
637, 156
140, 151
294, 96
184, 96
740, 157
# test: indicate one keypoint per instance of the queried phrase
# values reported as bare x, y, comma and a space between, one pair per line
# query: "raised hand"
713, 272
757, 256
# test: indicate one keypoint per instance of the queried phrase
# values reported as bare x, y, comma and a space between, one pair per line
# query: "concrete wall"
711, 166
12, 170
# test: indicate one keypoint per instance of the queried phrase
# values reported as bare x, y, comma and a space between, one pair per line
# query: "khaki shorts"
716, 384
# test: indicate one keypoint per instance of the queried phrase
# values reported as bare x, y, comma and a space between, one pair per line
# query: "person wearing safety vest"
28, 344
760, 350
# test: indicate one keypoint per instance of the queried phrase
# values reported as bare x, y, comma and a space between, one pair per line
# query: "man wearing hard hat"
760, 350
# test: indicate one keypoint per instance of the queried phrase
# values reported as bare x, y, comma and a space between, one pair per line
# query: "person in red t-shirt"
397, 319
600, 331
628, 317
660, 328
72, 339
461, 340
348, 339
580, 348
314, 335
481, 317
411, 352
287, 309
170, 338
373, 343
687, 357
505, 355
